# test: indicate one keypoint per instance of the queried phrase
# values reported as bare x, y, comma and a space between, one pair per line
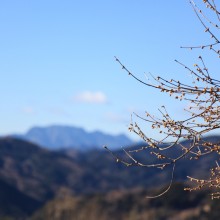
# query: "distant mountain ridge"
58, 137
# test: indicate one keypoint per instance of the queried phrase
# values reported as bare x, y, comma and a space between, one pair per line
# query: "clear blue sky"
57, 60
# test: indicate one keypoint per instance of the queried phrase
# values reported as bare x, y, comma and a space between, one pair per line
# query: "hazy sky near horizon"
57, 61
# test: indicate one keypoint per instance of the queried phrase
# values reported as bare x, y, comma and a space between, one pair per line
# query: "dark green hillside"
37, 172
28, 167
15, 203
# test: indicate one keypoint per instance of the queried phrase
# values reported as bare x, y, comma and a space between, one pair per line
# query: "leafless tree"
203, 97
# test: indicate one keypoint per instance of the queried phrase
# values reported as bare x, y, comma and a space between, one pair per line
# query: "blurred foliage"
133, 205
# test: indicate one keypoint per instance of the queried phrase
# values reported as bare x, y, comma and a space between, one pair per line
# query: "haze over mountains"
57, 137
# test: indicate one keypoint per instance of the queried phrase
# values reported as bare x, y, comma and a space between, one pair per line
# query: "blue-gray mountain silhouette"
56, 137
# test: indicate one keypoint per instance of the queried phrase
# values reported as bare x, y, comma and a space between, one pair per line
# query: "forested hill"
39, 175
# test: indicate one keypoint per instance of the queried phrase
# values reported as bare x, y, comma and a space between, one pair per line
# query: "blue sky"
57, 60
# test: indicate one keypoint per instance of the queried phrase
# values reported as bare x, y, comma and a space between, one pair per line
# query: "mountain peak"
62, 136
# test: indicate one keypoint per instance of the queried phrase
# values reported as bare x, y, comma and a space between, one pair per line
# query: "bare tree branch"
203, 98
